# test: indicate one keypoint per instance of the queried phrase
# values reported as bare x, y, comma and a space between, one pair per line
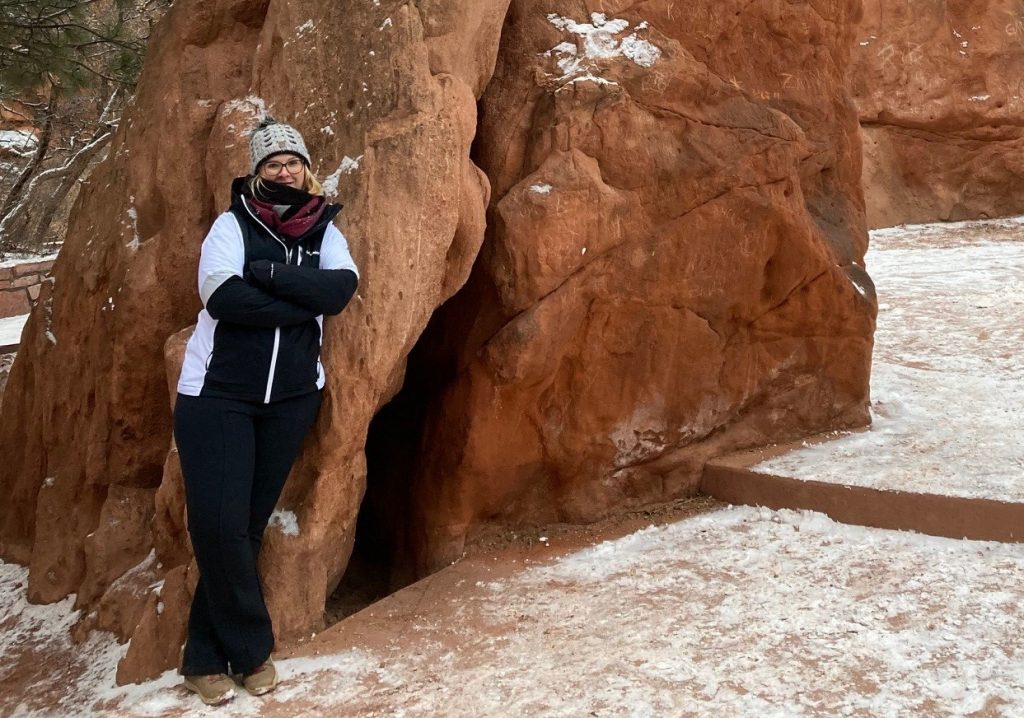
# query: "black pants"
235, 457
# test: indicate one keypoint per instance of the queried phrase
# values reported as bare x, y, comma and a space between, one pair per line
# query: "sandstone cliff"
939, 90
646, 249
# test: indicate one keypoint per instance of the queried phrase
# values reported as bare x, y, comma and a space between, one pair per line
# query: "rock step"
729, 479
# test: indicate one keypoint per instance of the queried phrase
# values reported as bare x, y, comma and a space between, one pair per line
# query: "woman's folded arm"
237, 301
326, 291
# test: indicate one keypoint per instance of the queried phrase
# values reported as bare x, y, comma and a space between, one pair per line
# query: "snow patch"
285, 521
348, 166
587, 78
138, 579
252, 105
11, 328
330, 183
133, 217
18, 142
13, 259
640, 51
599, 42
860, 290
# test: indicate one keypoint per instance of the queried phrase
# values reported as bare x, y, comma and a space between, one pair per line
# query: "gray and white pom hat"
272, 137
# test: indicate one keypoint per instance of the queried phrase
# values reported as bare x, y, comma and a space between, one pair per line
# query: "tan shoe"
212, 690
262, 680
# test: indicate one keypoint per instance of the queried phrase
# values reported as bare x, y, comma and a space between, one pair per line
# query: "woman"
270, 268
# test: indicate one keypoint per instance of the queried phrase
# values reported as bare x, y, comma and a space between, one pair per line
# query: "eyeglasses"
293, 166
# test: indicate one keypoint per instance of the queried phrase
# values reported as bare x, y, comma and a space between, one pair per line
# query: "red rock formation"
671, 268
86, 412
670, 271
940, 96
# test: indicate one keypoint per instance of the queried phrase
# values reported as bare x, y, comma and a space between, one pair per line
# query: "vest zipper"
277, 330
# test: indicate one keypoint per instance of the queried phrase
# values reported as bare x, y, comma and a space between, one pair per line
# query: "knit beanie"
272, 137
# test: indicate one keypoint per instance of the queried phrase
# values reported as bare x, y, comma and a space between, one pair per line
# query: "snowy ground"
739, 612
947, 389
10, 329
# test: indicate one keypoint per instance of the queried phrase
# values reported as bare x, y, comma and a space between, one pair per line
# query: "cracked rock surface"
670, 269
940, 94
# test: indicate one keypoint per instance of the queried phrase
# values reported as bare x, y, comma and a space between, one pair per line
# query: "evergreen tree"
69, 44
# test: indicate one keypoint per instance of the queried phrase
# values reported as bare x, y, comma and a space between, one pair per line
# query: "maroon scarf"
297, 224
303, 209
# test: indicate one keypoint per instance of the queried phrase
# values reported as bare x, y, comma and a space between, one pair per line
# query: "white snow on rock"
133, 218
862, 291
330, 183
252, 105
640, 51
587, 78
740, 612
348, 166
947, 382
134, 578
285, 521
599, 41
11, 328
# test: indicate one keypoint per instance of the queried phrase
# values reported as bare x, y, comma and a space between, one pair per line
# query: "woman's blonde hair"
309, 184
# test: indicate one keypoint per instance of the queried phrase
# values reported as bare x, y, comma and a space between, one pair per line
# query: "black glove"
261, 273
